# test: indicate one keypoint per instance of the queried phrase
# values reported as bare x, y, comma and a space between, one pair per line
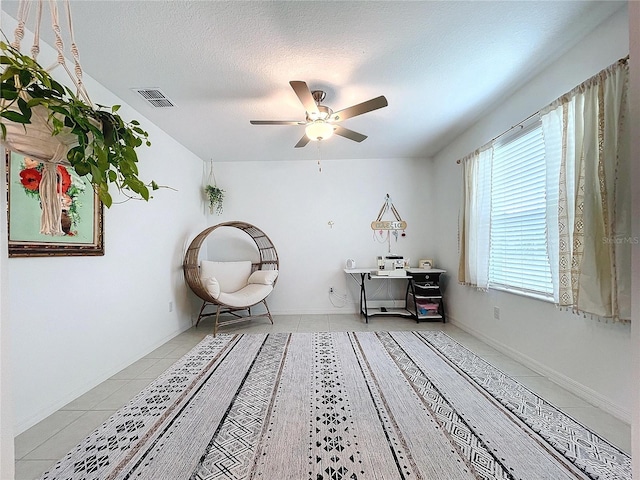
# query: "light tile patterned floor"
43, 444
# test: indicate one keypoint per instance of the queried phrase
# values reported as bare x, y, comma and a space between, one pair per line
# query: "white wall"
590, 357
293, 203
75, 321
6, 398
634, 82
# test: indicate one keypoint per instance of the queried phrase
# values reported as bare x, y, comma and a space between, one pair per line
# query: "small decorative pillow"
263, 277
212, 286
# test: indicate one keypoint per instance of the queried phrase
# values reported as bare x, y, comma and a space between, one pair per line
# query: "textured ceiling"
440, 64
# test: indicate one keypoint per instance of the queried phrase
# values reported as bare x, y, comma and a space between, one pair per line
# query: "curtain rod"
519, 124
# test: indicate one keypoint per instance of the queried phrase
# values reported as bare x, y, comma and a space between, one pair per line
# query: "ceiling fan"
321, 121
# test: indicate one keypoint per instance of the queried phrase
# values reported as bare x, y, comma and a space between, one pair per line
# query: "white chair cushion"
264, 277
231, 276
249, 295
212, 286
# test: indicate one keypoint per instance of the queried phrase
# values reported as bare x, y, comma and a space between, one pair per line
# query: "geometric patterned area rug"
338, 406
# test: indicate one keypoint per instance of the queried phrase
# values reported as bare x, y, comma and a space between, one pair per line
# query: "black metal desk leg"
363, 298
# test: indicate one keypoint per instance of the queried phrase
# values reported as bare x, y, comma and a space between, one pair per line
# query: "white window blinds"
518, 255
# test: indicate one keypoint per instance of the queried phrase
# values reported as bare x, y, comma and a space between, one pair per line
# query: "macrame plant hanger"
214, 195
389, 226
36, 140
208, 177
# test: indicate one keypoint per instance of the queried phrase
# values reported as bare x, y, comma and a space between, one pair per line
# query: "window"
540, 206
518, 259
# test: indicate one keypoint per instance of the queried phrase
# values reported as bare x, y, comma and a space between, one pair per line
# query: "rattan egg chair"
239, 301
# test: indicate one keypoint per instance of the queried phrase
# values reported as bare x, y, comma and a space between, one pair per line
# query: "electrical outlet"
171, 306
330, 289
496, 313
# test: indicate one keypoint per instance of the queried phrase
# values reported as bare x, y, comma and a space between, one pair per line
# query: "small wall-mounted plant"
216, 197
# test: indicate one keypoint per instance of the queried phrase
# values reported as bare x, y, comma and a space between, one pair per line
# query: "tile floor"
42, 445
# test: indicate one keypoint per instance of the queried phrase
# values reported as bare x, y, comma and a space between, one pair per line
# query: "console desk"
422, 300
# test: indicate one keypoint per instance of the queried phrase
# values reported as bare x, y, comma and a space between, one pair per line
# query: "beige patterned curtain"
475, 219
588, 172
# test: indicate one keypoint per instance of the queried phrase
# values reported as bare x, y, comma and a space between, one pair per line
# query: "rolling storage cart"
424, 296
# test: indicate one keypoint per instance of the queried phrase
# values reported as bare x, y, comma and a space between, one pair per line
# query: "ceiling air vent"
155, 97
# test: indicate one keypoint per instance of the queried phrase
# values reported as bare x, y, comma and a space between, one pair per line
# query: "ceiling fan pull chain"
319, 157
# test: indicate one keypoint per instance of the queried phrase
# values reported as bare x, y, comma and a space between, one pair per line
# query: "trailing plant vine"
216, 198
105, 152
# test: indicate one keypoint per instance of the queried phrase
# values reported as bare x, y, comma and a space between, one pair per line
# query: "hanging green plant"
216, 197
101, 145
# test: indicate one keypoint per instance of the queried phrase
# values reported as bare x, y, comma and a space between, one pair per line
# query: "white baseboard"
582, 391
24, 424
346, 310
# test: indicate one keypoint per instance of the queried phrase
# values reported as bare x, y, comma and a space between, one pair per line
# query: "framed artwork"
81, 221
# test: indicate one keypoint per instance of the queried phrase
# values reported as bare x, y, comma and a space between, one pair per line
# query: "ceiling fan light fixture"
320, 121
319, 130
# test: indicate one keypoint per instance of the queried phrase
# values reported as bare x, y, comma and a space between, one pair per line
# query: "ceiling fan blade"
304, 94
350, 134
276, 122
359, 109
302, 142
